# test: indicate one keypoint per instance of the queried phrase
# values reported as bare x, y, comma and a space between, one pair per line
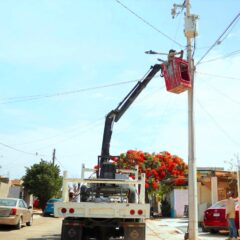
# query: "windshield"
222, 204
8, 202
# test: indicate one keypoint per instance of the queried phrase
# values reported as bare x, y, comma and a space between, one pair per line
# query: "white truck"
104, 218
111, 205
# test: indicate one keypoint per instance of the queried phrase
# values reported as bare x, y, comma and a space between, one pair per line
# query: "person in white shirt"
230, 216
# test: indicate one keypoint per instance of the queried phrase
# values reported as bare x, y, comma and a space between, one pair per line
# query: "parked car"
15, 212
49, 208
214, 217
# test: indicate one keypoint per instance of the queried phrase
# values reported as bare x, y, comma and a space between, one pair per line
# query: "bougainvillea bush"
162, 169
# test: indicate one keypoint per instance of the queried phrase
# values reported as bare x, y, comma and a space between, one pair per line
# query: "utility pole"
192, 172
54, 156
190, 32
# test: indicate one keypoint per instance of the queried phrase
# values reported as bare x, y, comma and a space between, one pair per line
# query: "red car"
214, 217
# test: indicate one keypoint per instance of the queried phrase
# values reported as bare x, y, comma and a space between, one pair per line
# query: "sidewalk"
158, 229
37, 213
175, 229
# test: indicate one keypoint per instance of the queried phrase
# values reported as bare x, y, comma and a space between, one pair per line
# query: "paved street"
49, 228
42, 229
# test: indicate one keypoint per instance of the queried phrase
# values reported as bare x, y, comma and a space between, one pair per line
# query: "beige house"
4, 186
14, 188
212, 186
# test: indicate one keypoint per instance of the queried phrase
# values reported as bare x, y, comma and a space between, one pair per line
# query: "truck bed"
101, 210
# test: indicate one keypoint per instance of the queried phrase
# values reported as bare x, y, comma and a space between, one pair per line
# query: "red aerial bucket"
176, 75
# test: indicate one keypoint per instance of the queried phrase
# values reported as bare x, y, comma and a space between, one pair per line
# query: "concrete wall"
223, 187
204, 192
14, 192
4, 189
178, 199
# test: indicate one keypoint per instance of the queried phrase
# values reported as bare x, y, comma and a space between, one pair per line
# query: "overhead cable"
219, 58
219, 126
222, 93
39, 96
21, 151
219, 40
217, 76
147, 23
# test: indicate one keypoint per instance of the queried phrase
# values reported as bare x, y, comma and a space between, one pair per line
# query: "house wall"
223, 187
204, 192
4, 189
178, 199
14, 192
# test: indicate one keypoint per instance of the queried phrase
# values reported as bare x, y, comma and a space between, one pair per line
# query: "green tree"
43, 180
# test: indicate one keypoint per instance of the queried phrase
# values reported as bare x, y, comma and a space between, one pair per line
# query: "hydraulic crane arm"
116, 114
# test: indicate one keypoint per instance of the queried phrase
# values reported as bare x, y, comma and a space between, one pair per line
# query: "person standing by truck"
230, 216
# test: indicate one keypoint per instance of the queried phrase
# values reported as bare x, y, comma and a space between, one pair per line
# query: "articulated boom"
107, 169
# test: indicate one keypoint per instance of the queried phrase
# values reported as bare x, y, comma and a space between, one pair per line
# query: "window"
8, 202
21, 204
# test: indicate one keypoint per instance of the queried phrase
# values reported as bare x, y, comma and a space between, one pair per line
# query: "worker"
230, 216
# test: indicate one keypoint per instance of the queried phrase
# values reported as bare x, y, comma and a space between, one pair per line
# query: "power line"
86, 129
147, 23
225, 56
37, 97
218, 125
218, 76
219, 41
75, 129
222, 93
21, 151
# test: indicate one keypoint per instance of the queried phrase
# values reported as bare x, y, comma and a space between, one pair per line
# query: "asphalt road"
48, 228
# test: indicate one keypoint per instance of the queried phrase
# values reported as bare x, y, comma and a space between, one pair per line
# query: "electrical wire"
218, 76
219, 58
19, 150
194, 47
37, 97
183, 6
83, 129
218, 125
218, 41
69, 138
147, 23
73, 129
222, 93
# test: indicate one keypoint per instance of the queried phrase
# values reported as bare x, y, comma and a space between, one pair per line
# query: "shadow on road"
47, 237
8, 228
214, 235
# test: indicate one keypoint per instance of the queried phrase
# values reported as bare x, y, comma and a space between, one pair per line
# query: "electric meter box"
191, 26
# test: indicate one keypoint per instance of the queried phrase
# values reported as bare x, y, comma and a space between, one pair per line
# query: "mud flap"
134, 231
71, 230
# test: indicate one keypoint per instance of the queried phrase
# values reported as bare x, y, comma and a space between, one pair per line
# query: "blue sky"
51, 48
